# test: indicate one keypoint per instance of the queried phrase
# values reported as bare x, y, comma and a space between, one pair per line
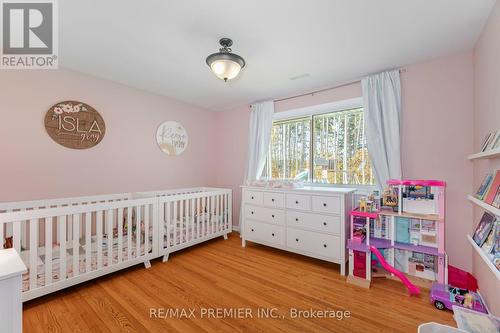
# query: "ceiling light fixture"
224, 64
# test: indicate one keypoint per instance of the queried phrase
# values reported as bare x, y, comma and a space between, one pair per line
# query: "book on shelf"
495, 251
483, 228
491, 141
489, 246
485, 185
496, 201
489, 196
486, 141
495, 141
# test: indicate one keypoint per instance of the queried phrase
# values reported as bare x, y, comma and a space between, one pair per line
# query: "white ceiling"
161, 45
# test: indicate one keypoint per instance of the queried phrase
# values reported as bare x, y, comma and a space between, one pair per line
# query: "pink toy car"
444, 296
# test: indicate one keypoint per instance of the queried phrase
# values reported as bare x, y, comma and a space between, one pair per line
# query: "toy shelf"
418, 248
485, 154
416, 182
484, 205
430, 217
358, 213
485, 258
379, 243
424, 226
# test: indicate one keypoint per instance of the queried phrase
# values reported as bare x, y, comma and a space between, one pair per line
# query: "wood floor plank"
222, 275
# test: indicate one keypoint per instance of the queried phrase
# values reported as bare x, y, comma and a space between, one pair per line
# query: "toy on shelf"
398, 242
370, 204
390, 199
362, 207
423, 197
444, 296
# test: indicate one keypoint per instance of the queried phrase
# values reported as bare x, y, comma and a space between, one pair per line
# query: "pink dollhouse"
403, 240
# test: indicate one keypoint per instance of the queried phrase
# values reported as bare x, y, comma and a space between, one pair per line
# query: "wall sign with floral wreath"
75, 125
172, 138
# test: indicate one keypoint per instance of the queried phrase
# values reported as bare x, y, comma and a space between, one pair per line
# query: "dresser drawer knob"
252, 197
324, 204
272, 216
272, 234
253, 230
296, 239
324, 245
296, 219
252, 212
272, 200
324, 223
296, 202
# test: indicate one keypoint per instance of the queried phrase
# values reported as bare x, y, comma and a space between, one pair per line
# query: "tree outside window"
328, 148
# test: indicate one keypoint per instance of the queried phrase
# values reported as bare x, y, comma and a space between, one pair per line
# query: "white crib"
64, 242
191, 218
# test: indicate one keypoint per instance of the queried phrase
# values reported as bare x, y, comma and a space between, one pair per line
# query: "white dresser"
313, 221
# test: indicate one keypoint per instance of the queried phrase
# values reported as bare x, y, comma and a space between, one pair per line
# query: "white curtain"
382, 109
259, 137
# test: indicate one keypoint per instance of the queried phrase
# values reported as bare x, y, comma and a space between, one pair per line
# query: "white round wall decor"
172, 138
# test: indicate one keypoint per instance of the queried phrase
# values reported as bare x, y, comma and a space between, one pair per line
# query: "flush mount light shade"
224, 64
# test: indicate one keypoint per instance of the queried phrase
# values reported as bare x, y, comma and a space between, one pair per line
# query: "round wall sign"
172, 138
74, 125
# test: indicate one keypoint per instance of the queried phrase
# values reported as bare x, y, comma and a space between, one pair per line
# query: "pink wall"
128, 159
486, 119
232, 132
436, 137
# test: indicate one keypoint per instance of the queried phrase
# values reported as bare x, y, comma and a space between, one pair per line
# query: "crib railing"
191, 218
8, 207
64, 245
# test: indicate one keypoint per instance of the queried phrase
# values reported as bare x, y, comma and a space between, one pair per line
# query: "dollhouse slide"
411, 287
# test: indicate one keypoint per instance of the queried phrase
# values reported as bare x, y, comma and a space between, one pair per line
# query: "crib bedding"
189, 228
186, 229
56, 260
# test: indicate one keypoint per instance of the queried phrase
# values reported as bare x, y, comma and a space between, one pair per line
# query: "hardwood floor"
222, 274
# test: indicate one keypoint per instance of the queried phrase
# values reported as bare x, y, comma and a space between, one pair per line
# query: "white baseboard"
236, 228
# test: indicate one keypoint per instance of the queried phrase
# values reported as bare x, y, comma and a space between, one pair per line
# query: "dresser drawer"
254, 197
313, 243
275, 200
329, 205
298, 201
269, 215
318, 222
262, 232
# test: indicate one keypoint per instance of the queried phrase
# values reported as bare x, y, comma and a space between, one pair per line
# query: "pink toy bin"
461, 279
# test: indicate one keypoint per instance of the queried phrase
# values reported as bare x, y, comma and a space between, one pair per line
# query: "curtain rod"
402, 70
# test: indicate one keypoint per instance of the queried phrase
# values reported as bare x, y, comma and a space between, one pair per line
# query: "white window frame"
347, 104
309, 111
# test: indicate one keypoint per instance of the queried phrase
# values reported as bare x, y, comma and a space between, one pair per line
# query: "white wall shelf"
485, 258
484, 205
486, 154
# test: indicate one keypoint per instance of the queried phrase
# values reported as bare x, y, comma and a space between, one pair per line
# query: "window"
327, 148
